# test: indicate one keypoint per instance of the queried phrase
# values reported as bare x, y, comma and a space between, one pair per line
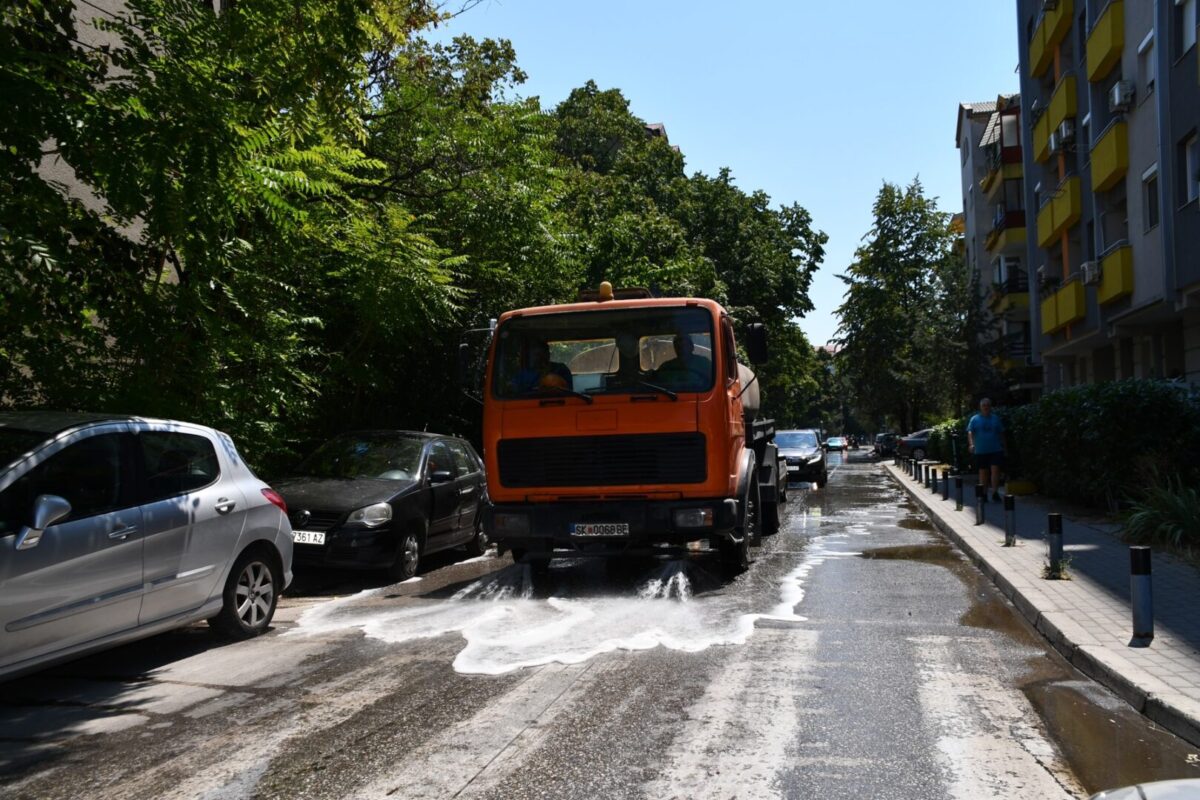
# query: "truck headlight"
371, 516
509, 523
693, 517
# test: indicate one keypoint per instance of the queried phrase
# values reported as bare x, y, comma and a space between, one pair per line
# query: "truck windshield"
605, 352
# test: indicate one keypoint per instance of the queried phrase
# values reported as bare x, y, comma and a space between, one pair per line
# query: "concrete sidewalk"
1088, 618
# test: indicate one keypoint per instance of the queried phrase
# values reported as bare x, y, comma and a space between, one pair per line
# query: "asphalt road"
860, 656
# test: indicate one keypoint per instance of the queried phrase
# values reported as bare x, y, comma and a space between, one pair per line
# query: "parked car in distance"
805, 457
115, 528
914, 445
385, 499
835, 443
885, 444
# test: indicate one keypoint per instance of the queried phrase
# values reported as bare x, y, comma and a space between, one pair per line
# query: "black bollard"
1141, 596
933, 482
958, 490
980, 502
946, 484
1055, 537
1010, 521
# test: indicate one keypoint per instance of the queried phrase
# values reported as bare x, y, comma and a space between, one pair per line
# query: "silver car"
115, 528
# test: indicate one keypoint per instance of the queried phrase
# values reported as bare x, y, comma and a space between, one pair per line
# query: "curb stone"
1146, 694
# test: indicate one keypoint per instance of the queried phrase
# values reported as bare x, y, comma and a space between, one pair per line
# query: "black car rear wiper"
658, 389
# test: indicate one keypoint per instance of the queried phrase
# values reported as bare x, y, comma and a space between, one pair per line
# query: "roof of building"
972, 110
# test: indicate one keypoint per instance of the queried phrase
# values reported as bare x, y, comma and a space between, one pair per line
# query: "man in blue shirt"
985, 438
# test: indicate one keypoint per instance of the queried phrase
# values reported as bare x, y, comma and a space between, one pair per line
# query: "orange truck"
624, 424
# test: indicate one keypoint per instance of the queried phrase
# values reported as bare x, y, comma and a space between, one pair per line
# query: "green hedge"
944, 448
1100, 444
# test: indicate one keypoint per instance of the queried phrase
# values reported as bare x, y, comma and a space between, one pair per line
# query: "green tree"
904, 319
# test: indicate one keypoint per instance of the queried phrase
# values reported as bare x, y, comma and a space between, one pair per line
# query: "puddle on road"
930, 553
1106, 742
506, 626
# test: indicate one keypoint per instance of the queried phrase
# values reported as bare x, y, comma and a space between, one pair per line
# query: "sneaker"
996, 497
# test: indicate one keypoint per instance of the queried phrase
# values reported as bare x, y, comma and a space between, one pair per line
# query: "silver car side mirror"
47, 510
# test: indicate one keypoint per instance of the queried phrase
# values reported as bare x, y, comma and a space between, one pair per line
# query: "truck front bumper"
542, 528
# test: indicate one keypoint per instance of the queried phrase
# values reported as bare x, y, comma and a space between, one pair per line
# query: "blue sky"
813, 102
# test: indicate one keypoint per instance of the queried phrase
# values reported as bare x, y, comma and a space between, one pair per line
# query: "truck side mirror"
756, 343
47, 510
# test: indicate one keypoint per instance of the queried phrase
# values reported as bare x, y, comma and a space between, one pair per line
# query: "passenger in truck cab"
539, 372
688, 369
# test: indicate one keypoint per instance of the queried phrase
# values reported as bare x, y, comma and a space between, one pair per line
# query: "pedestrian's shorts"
989, 460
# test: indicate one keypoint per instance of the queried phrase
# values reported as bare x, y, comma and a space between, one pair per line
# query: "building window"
1010, 131
1146, 66
1150, 198
1189, 162
1185, 24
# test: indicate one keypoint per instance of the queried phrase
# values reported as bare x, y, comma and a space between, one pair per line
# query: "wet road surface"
860, 656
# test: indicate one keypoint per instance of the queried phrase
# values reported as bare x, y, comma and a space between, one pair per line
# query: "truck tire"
736, 555
770, 519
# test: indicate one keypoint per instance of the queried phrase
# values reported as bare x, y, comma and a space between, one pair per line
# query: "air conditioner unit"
1055, 144
1120, 98
1041, 274
1066, 131
1091, 272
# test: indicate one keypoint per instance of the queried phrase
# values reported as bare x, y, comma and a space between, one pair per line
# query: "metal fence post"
958, 493
1010, 521
1141, 596
946, 484
1055, 536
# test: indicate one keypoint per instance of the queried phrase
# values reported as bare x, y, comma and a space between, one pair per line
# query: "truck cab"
620, 425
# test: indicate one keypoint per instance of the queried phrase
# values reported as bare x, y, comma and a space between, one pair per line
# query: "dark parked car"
915, 445
885, 443
804, 456
384, 499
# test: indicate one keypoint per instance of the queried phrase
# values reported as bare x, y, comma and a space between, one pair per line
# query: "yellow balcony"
1064, 103
1116, 275
1013, 301
1106, 41
1041, 138
1070, 303
1060, 213
1051, 30
1110, 157
1049, 315
996, 178
999, 241
1045, 225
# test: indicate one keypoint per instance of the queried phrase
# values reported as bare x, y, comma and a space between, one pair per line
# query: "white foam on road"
505, 628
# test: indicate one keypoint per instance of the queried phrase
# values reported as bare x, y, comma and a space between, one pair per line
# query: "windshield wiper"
587, 398
659, 389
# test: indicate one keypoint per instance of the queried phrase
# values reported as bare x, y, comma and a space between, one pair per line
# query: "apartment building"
1110, 102
989, 138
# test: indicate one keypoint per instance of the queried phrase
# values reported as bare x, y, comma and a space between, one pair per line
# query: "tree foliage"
289, 211
906, 322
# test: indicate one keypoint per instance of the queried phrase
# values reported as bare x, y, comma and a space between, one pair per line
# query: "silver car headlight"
371, 516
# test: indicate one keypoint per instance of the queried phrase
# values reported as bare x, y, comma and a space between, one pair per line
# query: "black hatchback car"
385, 499
804, 455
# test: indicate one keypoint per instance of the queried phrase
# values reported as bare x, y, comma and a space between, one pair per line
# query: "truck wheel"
770, 522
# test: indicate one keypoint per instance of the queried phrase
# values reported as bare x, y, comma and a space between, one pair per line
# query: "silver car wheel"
255, 593
412, 553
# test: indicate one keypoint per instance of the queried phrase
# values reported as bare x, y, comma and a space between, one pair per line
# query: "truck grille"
603, 460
